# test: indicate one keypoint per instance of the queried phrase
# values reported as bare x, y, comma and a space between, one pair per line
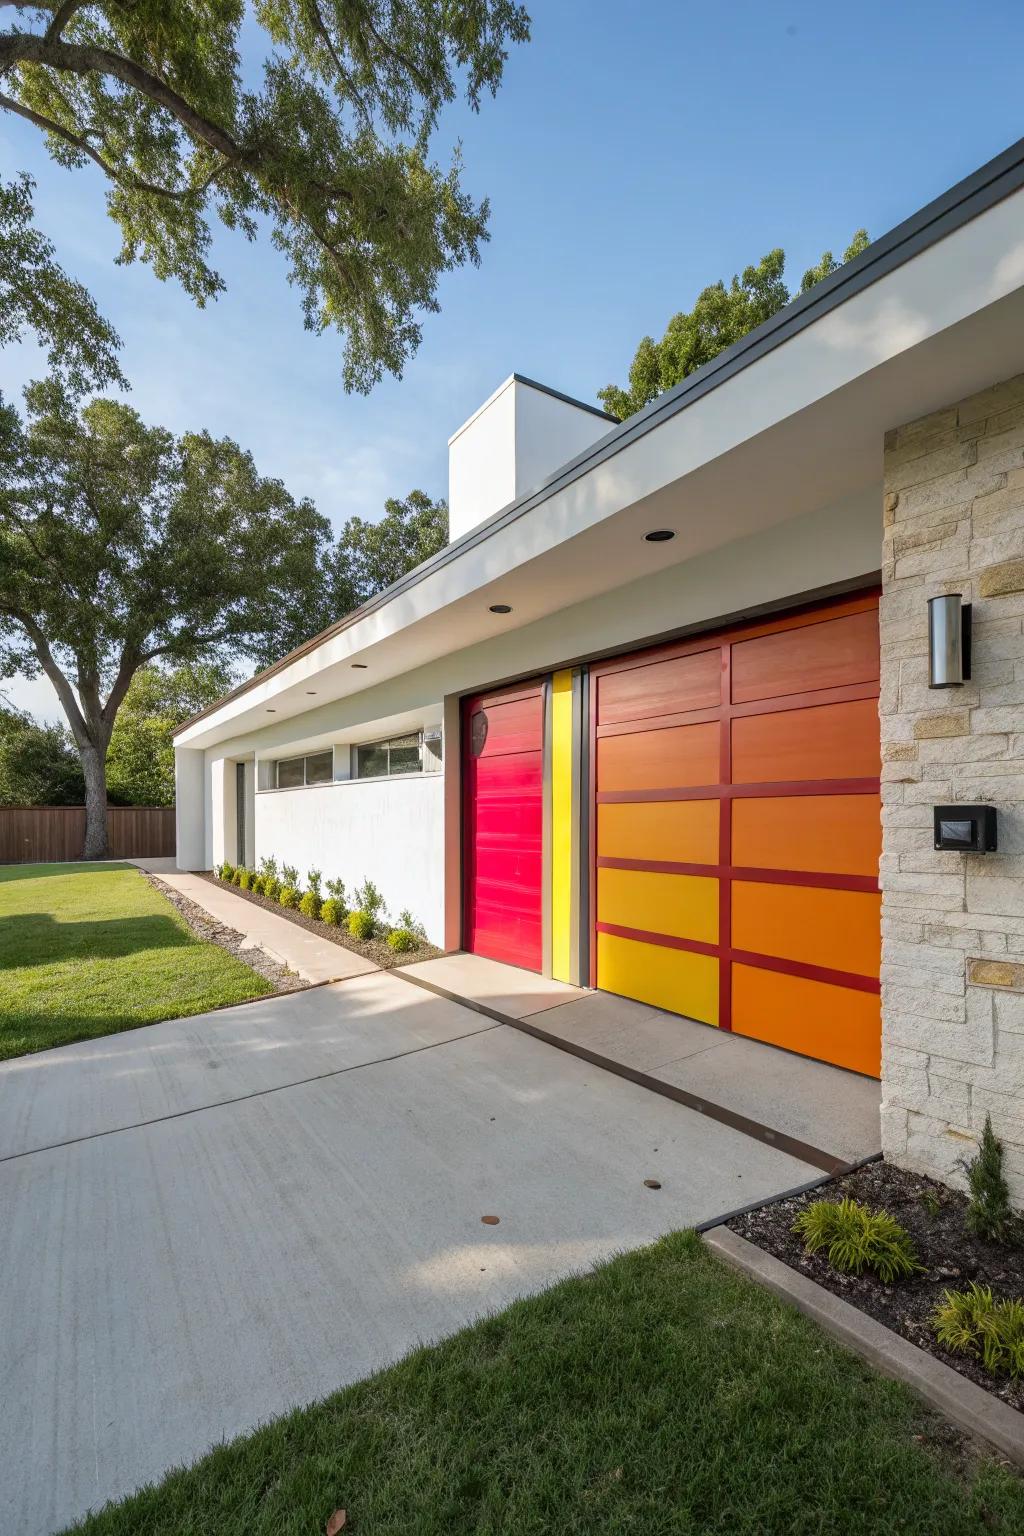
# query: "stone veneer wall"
953, 924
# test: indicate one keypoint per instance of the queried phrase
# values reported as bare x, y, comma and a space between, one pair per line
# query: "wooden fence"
51, 834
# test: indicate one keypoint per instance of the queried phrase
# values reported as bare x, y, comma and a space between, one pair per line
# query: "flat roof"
999, 178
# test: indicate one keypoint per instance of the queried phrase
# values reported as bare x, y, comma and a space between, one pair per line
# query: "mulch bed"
952, 1256
206, 927
374, 949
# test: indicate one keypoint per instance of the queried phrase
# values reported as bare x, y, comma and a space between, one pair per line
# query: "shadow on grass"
12, 872
35, 938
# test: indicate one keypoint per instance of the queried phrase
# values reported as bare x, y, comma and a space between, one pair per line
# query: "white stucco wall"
390, 831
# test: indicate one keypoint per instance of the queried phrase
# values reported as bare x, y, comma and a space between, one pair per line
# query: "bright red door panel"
504, 827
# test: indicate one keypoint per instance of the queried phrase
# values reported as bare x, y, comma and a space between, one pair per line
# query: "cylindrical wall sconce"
949, 641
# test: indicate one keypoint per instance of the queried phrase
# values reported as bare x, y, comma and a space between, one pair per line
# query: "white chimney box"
514, 442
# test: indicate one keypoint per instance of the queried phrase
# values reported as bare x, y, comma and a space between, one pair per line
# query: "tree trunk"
94, 767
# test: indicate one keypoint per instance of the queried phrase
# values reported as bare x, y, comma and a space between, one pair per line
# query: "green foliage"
268, 866
39, 764
140, 758
245, 878
368, 899
310, 904
290, 874
856, 1239
371, 556
271, 887
226, 872
411, 924
989, 1213
361, 925
401, 940
288, 896
721, 316
327, 144
314, 881
972, 1322
827, 265
332, 912
37, 298
336, 891
169, 548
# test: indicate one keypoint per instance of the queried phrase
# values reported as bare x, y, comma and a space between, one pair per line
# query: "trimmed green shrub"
412, 924
368, 899
989, 1213
271, 887
332, 912
226, 872
401, 940
310, 904
972, 1322
360, 925
288, 896
268, 867
855, 1239
336, 891
236, 878
245, 879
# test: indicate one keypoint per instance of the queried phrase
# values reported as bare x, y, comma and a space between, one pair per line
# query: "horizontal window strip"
822, 973
765, 791
847, 693
818, 879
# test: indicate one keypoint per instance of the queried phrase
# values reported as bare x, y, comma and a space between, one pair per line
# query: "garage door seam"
242, 1098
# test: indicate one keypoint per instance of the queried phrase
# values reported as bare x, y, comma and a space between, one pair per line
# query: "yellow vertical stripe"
561, 826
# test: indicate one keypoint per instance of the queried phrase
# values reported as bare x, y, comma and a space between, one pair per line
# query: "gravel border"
372, 949
207, 928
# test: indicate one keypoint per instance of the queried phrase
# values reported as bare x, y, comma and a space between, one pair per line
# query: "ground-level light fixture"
949, 641
501, 608
660, 535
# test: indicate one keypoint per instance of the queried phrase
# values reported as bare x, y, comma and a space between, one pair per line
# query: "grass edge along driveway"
92, 949
660, 1393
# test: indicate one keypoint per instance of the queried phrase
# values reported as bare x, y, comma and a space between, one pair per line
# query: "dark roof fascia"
990, 184
557, 394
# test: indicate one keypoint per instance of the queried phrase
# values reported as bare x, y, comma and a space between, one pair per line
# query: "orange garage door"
737, 830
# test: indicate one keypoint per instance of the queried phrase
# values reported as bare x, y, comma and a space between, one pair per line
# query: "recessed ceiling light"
310, 693
660, 535
359, 666
501, 608
271, 711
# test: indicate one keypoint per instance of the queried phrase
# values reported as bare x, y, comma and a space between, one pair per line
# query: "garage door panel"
682, 906
674, 979
679, 756
661, 688
814, 1018
830, 834
830, 654
512, 726
826, 741
836, 930
680, 831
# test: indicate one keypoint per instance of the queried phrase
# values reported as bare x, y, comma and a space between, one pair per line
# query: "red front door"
503, 779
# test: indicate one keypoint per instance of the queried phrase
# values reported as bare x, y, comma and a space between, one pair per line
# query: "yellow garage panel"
684, 906
673, 979
673, 831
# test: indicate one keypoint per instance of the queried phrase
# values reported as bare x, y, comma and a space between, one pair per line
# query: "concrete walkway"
209, 1221
313, 958
833, 1111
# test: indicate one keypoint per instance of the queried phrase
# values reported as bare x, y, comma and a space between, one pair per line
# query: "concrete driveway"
209, 1221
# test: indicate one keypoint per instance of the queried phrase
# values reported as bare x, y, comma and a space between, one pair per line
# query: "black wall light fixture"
966, 828
949, 641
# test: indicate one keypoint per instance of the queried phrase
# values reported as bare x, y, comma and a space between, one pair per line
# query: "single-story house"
663, 716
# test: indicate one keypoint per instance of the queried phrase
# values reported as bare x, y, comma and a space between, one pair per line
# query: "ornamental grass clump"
854, 1238
972, 1322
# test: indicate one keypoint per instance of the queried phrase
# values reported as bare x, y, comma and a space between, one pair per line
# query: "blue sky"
633, 155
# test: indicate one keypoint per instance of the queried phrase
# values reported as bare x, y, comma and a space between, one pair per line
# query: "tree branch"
86, 59
62, 16
63, 688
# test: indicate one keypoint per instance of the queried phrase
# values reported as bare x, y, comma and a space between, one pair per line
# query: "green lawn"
87, 950
660, 1394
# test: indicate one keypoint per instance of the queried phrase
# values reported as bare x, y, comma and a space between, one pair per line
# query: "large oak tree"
329, 143
121, 545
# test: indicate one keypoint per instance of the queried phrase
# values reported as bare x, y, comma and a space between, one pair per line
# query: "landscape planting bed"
374, 949
952, 1257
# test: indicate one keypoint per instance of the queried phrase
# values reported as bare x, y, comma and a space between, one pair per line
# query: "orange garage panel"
737, 830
